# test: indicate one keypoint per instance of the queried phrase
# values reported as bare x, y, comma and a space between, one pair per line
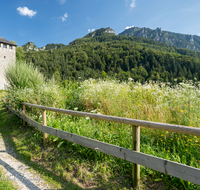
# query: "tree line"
119, 57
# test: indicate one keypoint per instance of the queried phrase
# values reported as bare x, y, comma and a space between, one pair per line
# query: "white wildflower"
130, 79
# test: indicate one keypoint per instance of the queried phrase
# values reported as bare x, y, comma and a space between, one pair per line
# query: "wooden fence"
135, 156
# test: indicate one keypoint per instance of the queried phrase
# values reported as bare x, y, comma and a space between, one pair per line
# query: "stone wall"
7, 56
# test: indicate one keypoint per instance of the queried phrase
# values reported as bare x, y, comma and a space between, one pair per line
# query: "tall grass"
153, 101
27, 84
21, 75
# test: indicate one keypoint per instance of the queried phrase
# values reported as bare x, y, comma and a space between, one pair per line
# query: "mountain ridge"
30, 46
186, 41
179, 40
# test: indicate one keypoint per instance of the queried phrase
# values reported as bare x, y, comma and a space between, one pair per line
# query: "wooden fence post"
136, 147
44, 123
13, 105
24, 112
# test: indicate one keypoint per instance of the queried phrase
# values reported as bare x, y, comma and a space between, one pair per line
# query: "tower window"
10, 47
4, 57
4, 46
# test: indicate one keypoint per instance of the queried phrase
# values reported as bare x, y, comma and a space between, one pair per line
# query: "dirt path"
17, 171
14, 169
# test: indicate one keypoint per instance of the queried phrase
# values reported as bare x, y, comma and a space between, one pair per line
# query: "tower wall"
7, 56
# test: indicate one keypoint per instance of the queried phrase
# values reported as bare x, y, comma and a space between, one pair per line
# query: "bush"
27, 84
21, 75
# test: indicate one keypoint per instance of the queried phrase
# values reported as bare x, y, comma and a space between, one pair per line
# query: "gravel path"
18, 171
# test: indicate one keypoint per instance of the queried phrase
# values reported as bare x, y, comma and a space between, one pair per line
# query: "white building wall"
7, 56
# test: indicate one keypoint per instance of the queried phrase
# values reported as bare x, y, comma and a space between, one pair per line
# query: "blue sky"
62, 21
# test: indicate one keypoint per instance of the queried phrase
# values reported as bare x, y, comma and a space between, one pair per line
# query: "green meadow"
153, 101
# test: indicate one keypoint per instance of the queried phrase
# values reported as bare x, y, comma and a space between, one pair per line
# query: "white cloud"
198, 34
132, 5
91, 30
24, 11
62, 1
129, 27
64, 17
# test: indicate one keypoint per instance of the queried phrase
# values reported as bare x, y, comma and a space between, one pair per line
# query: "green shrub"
27, 84
21, 75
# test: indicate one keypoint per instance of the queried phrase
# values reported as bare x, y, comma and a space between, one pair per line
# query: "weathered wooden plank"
136, 147
149, 124
172, 168
44, 120
35, 124
50, 130
165, 166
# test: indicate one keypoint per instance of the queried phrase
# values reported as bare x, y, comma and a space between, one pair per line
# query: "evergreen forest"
119, 57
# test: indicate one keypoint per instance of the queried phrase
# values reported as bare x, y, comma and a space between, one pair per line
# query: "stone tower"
7, 56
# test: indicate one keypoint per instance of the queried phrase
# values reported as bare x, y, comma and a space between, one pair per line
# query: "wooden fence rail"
142, 123
137, 158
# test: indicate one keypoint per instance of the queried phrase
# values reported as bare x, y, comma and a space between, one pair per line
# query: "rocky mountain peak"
191, 42
30, 46
100, 32
109, 30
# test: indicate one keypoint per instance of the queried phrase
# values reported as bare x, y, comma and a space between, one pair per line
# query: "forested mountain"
30, 46
120, 57
191, 42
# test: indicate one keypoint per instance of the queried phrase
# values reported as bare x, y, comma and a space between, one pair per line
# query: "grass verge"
64, 167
